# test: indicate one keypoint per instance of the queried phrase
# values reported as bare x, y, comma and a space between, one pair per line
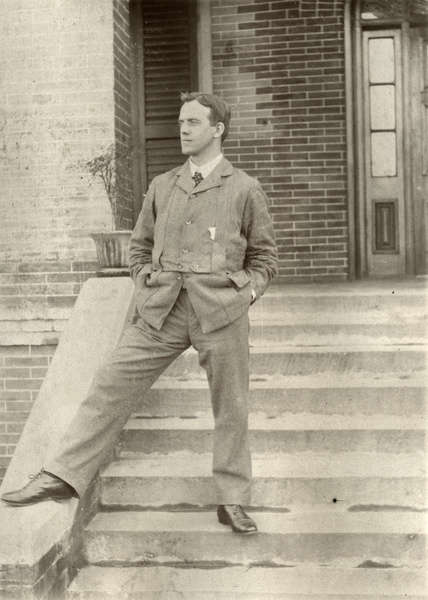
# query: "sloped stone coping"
34, 538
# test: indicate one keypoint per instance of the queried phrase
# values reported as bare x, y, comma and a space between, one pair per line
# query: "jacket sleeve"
261, 257
142, 238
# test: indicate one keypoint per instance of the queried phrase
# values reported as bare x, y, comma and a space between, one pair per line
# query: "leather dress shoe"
42, 486
235, 516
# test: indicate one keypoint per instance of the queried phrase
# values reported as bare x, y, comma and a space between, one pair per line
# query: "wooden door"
165, 57
384, 160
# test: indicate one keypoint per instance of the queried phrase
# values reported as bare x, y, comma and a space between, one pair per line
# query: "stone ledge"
103, 309
28, 533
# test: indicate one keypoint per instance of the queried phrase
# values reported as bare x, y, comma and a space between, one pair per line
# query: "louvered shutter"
169, 67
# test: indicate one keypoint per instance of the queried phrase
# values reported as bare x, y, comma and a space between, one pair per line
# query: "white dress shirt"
205, 169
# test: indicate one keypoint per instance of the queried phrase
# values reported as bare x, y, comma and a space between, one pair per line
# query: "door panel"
384, 160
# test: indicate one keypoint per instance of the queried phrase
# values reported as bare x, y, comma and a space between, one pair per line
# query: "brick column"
64, 98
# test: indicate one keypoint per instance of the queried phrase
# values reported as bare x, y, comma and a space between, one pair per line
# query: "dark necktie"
198, 178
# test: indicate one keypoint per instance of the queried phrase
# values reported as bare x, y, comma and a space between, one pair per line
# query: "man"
202, 251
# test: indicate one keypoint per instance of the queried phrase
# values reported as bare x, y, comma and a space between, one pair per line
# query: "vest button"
185, 250
178, 276
188, 222
180, 266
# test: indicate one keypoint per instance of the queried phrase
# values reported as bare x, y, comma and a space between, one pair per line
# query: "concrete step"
353, 479
241, 583
334, 393
296, 433
284, 360
277, 328
375, 302
338, 400
311, 536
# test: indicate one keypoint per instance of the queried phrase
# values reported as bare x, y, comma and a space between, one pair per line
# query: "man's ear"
219, 129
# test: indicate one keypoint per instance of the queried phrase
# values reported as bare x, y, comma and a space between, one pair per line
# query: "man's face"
197, 135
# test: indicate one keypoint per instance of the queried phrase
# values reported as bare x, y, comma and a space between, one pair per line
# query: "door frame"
358, 218
201, 77
419, 148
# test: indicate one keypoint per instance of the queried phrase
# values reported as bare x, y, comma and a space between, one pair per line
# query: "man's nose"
184, 129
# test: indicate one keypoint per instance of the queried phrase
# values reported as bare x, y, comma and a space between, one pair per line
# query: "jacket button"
192, 196
178, 276
188, 222
180, 266
185, 250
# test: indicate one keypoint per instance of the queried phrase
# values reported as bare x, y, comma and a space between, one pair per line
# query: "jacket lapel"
184, 178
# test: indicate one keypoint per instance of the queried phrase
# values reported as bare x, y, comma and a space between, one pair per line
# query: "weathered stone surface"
329, 537
28, 534
281, 481
239, 583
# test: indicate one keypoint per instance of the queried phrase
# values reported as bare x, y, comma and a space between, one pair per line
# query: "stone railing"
40, 545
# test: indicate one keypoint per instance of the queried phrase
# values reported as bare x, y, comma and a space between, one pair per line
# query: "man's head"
204, 124
219, 109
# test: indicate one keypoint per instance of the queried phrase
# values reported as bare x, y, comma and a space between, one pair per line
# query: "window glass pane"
381, 60
384, 157
382, 107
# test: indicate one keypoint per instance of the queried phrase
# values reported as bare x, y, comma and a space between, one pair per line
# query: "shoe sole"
20, 504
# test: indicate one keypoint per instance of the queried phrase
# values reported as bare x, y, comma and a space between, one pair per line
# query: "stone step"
241, 583
385, 393
296, 433
379, 301
277, 328
328, 537
284, 360
353, 479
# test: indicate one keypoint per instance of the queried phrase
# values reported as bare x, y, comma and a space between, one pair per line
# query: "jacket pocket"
240, 278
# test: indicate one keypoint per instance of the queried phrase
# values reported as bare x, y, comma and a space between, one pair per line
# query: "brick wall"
45, 293
39, 291
64, 98
22, 369
57, 109
122, 107
281, 66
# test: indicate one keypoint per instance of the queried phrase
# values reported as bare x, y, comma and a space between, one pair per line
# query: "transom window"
413, 11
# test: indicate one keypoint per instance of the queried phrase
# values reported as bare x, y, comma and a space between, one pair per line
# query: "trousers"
122, 382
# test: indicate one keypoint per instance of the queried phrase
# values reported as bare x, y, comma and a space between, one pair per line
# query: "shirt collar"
205, 169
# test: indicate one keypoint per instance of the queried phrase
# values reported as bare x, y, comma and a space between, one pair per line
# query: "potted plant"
112, 166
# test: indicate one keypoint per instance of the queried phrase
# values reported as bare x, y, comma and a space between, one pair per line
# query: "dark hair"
220, 110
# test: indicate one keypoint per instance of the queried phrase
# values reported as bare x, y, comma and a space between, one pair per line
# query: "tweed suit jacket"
228, 235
